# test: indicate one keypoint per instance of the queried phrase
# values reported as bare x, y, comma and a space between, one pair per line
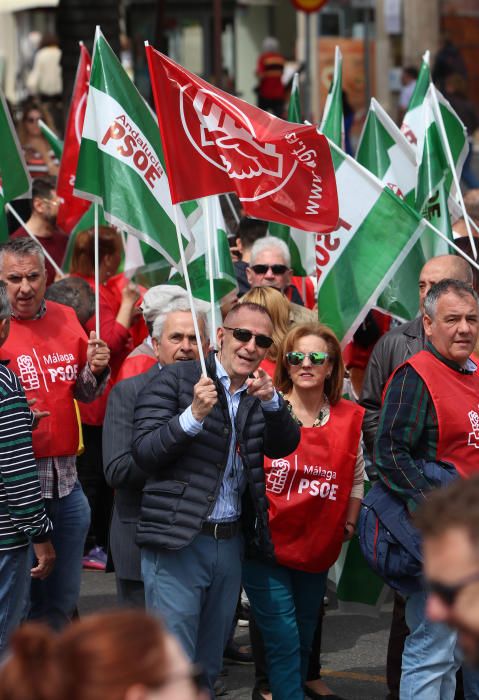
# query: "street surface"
354, 646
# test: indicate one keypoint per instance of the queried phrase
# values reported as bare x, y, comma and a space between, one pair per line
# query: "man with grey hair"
56, 363
270, 266
167, 313
22, 513
173, 344
430, 413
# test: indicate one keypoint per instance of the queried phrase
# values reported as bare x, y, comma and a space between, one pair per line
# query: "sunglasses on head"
449, 593
297, 358
244, 336
275, 269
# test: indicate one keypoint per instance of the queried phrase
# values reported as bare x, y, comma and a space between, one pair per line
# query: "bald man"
392, 350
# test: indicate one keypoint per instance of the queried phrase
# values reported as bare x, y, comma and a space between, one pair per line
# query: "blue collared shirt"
228, 503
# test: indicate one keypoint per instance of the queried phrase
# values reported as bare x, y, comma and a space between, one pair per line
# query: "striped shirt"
22, 511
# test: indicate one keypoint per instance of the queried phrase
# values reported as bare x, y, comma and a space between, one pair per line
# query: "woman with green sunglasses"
314, 497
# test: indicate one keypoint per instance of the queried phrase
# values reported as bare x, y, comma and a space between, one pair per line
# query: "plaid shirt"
408, 431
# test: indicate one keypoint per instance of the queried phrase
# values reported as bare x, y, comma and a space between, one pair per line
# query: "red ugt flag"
215, 143
72, 208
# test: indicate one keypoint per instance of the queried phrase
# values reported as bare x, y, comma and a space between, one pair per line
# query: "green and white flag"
56, 144
356, 261
332, 124
224, 279
413, 122
301, 244
121, 164
384, 150
15, 181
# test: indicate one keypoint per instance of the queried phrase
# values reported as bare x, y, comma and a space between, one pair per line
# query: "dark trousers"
97, 491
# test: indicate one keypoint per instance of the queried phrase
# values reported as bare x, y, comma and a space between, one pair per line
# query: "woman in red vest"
117, 314
314, 497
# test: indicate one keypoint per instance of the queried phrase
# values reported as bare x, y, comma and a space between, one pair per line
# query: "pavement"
353, 652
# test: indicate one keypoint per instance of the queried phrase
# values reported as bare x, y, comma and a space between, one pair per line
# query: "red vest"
456, 399
309, 491
47, 354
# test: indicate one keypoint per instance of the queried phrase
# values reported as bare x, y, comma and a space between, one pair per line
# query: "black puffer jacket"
185, 473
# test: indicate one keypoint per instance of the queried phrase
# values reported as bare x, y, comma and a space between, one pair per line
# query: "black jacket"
185, 473
390, 351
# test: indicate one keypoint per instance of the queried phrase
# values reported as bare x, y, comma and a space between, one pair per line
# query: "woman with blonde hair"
122, 655
277, 306
314, 497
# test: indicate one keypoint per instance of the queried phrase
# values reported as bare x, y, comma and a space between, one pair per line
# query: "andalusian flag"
15, 181
121, 162
56, 144
332, 124
384, 151
377, 230
224, 279
412, 124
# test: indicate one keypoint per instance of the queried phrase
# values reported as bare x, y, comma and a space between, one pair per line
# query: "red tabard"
456, 400
309, 491
47, 354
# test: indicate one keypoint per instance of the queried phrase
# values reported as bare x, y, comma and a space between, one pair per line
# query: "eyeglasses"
297, 358
32, 119
244, 336
275, 269
449, 593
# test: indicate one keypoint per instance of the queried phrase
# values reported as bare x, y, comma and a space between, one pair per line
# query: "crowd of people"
118, 452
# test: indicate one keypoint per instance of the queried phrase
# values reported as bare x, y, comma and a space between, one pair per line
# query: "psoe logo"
224, 136
474, 435
276, 480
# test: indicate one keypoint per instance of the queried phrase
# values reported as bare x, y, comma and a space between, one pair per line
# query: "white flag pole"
451, 244
189, 292
207, 219
57, 269
97, 273
447, 148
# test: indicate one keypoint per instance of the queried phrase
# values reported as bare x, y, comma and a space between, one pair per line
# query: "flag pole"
232, 208
97, 272
189, 292
447, 148
14, 213
206, 201
451, 244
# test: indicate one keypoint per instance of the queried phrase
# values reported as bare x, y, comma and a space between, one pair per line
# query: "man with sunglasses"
449, 524
430, 406
202, 442
43, 224
270, 266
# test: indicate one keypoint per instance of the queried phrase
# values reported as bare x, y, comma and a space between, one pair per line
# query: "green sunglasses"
297, 358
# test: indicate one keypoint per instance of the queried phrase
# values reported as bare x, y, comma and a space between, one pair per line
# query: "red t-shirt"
55, 245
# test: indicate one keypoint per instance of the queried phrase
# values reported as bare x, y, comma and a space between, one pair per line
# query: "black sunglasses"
297, 358
275, 269
449, 593
244, 336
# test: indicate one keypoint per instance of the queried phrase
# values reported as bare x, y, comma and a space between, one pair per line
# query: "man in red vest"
429, 413
56, 362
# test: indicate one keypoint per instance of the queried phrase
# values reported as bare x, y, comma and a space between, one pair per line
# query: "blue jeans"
285, 604
14, 583
470, 680
195, 591
54, 600
430, 660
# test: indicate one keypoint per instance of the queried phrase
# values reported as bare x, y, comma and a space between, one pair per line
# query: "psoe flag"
216, 143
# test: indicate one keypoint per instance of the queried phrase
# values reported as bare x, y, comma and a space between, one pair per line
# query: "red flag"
72, 208
214, 142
